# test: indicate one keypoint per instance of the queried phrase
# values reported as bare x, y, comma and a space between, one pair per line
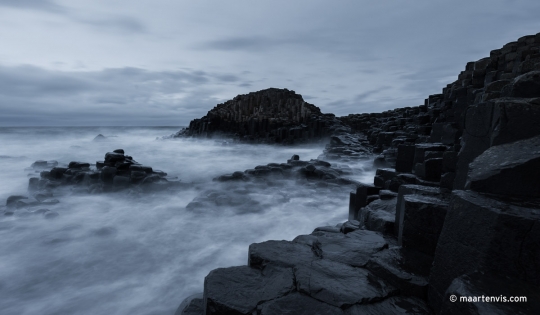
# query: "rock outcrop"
453, 211
269, 116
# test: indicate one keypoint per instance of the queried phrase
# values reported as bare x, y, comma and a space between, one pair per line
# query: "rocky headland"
453, 211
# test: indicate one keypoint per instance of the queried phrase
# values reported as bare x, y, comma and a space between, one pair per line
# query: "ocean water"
140, 254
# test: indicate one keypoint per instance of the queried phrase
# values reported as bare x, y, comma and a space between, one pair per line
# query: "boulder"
379, 216
192, 305
238, 290
526, 85
78, 165
480, 233
508, 169
340, 285
107, 174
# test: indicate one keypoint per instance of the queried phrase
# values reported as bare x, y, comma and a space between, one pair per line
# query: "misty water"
117, 253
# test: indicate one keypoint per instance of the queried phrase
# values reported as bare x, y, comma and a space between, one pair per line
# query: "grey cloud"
123, 24
120, 96
44, 5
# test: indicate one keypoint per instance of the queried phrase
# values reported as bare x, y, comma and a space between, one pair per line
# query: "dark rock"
238, 290
392, 305
107, 174
11, 201
482, 234
408, 190
405, 158
394, 268
433, 169
526, 85
387, 194
477, 289
423, 219
353, 249
40, 164
113, 157
100, 137
358, 199
447, 180
57, 173
192, 305
449, 161
298, 304
78, 165
379, 216
508, 169
295, 157
350, 226
339, 284
279, 253
421, 148
120, 182
121, 151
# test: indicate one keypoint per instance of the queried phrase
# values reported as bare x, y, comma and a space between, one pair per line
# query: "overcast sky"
165, 62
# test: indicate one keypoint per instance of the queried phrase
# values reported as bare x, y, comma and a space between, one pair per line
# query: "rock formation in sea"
268, 116
453, 212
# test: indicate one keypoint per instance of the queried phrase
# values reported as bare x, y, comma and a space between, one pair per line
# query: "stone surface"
390, 266
480, 287
354, 249
481, 233
392, 305
238, 290
192, 305
279, 253
340, 285
298, 304
379, 216
508, 169
407, 190
423, 219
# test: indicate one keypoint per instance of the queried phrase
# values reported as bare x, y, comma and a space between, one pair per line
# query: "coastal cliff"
454, 209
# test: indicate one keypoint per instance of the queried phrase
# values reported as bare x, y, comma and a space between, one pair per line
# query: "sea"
115, 253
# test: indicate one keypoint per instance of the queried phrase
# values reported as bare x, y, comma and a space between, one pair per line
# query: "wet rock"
423, 219
353, 249
508, 169
279, 253
526, 85
392, 305
238, 290
78, 165
407, 190
482, 234
11, 201
379, 216
405, 158
477, 288
390, 266
350, 226
107, 174
358, 199
298, 304
100, 137
192, 305
340, 285
57, 173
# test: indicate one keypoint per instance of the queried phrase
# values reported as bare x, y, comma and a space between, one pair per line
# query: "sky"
166, 62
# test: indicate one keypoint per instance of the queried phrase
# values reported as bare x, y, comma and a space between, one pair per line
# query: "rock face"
454, 208
271, 116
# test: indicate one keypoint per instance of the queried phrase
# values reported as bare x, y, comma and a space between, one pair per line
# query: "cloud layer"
165, 62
